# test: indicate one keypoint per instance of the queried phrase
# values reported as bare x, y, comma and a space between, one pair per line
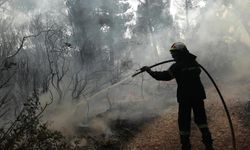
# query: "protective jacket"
186, 71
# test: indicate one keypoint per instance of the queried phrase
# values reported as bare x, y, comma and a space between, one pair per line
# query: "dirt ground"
162, 133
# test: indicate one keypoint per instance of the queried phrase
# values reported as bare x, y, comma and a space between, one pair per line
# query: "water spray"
218, 91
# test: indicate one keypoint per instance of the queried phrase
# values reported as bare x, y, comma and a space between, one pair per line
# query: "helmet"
178, 47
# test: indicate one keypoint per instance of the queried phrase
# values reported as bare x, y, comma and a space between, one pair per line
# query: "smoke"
222, 39
22, 12
218, 34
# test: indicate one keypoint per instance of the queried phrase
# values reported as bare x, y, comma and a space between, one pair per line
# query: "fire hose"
218, 91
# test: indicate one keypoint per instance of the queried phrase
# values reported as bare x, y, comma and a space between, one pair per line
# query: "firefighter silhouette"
190, 93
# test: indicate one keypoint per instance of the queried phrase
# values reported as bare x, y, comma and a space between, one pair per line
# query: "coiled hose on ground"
218, 91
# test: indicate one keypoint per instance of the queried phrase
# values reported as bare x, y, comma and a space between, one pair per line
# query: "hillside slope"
162, 133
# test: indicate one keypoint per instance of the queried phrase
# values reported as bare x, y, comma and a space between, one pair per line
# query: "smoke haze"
218, 34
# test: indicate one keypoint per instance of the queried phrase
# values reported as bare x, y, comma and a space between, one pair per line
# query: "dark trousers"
200, 118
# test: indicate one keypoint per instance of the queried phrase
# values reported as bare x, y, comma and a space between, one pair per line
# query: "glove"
145, 68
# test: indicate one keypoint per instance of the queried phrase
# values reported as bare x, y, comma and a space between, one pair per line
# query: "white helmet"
178, 47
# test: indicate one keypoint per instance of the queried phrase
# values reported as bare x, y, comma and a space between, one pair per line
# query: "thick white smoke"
218, 34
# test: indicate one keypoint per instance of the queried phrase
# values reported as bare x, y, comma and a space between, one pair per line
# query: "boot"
207, 139
185, 142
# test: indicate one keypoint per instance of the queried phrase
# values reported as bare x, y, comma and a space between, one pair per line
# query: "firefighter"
190, 93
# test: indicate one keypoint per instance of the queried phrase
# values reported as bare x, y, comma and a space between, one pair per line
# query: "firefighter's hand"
145, 68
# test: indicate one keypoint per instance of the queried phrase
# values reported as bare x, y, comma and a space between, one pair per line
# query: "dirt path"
162, 133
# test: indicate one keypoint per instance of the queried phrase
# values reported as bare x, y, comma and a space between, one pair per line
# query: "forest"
66, 66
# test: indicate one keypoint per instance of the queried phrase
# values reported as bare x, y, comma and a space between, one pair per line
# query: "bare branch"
79, 86
7, 81
4, 113
21, 45
4, 99
37, 116
141, 1
24, 39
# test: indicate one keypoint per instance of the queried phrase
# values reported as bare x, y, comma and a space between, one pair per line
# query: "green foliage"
152, 16
27, 132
